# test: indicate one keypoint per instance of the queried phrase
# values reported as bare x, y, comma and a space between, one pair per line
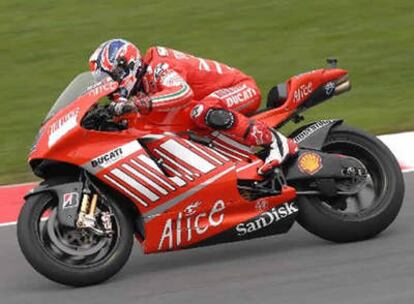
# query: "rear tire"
322, 220
61, 267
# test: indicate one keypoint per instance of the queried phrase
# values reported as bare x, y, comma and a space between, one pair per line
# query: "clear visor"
100, 75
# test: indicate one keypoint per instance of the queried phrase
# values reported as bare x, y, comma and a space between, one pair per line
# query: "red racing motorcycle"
107, 179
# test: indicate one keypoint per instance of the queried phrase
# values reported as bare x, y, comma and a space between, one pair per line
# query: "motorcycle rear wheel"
71, 256
358, 220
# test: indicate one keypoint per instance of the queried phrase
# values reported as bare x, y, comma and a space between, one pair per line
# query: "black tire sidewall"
52, 268
319, 221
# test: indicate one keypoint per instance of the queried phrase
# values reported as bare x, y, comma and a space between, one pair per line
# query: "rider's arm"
173, 91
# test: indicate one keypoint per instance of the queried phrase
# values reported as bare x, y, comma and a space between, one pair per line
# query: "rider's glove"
143, 103
123, 107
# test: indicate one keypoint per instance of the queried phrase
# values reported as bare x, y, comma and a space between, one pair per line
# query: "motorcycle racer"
164, 78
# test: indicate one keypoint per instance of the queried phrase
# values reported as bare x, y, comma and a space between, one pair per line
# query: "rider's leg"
222, 111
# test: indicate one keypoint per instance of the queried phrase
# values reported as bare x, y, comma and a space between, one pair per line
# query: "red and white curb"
11, 196
402, 145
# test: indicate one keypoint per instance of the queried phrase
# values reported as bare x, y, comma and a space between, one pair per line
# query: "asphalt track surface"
292, 268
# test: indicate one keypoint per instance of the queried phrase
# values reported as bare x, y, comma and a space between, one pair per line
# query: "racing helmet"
119, 59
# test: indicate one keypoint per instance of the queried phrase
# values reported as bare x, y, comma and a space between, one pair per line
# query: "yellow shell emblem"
310, 163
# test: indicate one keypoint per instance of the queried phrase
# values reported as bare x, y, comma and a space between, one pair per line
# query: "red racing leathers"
224, 96
174, 78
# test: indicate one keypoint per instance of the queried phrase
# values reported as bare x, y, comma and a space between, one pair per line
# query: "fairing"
186, 192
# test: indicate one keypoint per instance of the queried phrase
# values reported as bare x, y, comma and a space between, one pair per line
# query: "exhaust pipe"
343, 85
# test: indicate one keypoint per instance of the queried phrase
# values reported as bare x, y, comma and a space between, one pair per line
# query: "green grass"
43, 44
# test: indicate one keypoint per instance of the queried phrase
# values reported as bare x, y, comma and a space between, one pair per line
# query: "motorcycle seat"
277, 96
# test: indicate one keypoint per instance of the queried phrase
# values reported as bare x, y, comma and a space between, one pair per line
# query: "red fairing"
63, 139
299, 87
186, 192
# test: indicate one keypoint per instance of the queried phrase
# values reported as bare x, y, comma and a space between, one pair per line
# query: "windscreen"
75, 89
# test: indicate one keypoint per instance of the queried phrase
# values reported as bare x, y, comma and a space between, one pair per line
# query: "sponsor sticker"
197, 110
192, 208
107, 159
105, 85
266, 219
329, 88
310, 163
70, 200
187, 225
159, 69
62, 126
303, 91
310, 130
262, 205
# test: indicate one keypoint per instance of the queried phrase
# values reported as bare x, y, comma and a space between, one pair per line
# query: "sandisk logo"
267, 218
107, 159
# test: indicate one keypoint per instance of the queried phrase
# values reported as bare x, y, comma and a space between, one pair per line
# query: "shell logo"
310, 163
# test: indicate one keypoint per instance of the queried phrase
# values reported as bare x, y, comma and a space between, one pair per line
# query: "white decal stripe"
163, 155
219, 155
218, 67
230, 149
187, 156
227, 154
167, 205
256, 162
175, 172
204, 153
165, 183
145, 179
232, 142
178, 181
148, 161
135, 184
126, 190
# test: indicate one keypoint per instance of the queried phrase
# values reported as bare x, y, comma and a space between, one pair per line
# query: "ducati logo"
107, 159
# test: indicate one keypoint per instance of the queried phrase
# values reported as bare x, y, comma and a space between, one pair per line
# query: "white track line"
8, 224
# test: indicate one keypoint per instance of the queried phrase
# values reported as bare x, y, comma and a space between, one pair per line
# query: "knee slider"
220, 119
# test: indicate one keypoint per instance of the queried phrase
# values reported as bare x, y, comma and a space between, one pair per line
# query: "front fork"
87, 217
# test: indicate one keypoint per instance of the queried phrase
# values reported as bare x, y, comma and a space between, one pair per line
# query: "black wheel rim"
369, 200
74, 247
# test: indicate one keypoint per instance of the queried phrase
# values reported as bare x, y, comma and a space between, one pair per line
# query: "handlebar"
101, 118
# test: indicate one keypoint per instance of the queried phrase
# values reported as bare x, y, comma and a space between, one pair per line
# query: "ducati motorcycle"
108, 179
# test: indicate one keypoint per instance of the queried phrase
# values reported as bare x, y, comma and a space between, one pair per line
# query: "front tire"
54, 251
318, 216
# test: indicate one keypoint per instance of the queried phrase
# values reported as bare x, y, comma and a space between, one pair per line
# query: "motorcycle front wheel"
70, 256
370, 211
